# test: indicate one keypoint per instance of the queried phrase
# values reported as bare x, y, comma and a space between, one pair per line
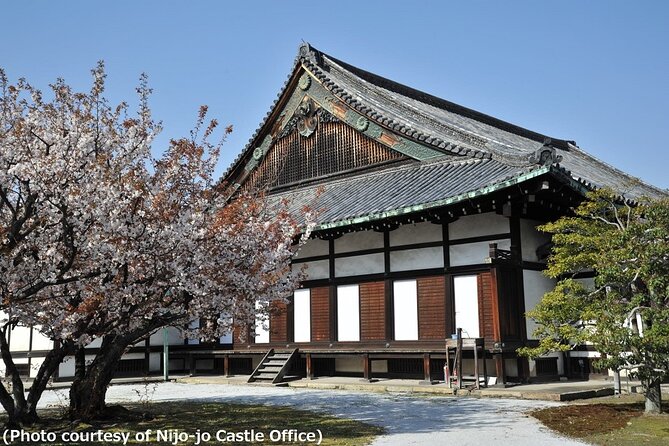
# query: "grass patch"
210, 417
608, 424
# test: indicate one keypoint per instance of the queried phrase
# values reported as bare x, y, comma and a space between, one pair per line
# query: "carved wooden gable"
314, 144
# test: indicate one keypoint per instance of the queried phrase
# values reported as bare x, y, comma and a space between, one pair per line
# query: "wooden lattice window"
334, 147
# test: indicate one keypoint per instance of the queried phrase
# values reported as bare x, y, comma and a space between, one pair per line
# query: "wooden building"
427, 223
428, 215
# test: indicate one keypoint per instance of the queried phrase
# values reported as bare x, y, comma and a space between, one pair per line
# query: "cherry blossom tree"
100, 240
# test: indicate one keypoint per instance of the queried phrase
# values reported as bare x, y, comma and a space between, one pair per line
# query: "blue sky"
592, 71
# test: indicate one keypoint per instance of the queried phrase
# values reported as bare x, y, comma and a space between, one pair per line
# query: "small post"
459, 357
476, 365
310, 369
226, 365
366, 368
166, 354
427, 375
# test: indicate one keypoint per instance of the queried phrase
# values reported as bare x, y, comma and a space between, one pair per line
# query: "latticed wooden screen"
334, 147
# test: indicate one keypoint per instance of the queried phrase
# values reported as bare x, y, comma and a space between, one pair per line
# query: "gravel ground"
408, 419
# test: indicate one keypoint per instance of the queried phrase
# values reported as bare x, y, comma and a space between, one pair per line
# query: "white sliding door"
302, 311
466, 294
405, 310
262, 326
348, 313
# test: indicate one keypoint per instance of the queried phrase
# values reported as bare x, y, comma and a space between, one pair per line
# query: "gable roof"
437, 133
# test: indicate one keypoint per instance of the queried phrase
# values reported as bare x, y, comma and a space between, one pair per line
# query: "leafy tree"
626, 314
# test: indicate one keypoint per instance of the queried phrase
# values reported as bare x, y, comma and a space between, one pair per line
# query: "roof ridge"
429, 99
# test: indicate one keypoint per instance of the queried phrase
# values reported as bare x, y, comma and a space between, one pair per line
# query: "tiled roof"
479, 150
441, 123
403, 189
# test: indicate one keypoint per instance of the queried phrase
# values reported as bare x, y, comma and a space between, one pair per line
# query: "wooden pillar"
499, 368
485, 368
524, 369
226, 365
427, 370
366, 368
310, 369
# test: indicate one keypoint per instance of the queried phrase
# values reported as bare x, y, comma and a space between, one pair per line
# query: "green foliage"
627, 247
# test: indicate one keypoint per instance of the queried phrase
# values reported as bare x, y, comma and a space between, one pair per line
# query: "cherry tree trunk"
87, 394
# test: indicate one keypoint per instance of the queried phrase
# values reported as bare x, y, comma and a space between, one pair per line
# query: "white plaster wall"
194, 324
35, 364
41, 342
262, 327
66, 368
405, 306
155, 362
359, 265
348, 313
302, 313
226, 339
535, 285
478, 225
319, 269
474, 253
465, 290
511, 367
349, 364
95, 343
20, 339
422, 258
313, 247
174, 337
416, 233
531, 239
356, 241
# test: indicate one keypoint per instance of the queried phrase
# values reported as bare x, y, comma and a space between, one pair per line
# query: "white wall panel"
348, 313
226, 320
313, 247
405, 306
302, 312
421, 258
416, 233
262, 326
174, 337
194, 324
359, 265
465, 290
478, 225
155, 362
41, 342
535, 285
531, 239
474, 253
20, 339
319, 269
356, 241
